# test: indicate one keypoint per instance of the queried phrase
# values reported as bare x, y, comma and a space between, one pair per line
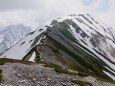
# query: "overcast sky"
35, 12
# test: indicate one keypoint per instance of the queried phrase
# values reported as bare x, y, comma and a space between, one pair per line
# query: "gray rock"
16, 74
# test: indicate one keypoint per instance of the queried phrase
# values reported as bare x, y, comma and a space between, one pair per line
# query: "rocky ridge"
18, 74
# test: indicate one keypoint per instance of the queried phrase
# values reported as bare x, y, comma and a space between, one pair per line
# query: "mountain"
11, 35
78, 42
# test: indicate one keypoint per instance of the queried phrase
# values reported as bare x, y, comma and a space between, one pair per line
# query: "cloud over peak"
34, 12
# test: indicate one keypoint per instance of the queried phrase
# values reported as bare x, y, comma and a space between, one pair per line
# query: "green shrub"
82, 74
0, 78
0, 71
0, 75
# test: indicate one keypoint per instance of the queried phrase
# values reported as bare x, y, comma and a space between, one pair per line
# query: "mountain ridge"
79, 42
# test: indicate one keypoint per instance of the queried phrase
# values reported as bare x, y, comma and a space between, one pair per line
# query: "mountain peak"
12, 34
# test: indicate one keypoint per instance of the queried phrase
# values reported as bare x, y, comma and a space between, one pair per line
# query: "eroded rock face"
16, 74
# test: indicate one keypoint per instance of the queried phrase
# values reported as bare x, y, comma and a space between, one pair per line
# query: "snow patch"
110, 75
32, 58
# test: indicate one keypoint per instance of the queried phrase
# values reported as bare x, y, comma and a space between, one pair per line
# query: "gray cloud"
35, 12
6, 5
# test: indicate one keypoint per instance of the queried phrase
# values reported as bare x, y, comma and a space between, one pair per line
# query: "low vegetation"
82, 83
82, 74
5, 60
59, 69
56, 68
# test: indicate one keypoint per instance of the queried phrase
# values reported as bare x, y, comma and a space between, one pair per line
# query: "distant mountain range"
11, 35
79, 42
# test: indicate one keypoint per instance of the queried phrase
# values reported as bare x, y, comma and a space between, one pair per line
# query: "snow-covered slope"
23, 46
11, 35
79, 41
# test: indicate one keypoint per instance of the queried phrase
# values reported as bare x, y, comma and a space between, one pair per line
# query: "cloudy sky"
35, 12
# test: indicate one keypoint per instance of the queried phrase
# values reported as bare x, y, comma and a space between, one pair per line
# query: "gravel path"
16, 74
